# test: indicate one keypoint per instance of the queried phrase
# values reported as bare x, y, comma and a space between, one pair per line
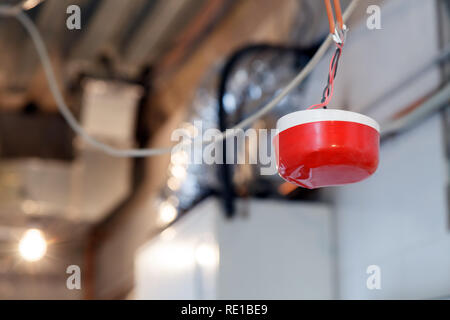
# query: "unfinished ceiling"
49, 179
117, 39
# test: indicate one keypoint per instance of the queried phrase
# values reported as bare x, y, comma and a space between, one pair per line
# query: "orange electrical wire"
337, 8
330, 16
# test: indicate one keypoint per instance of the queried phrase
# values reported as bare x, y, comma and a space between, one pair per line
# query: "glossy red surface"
327, 153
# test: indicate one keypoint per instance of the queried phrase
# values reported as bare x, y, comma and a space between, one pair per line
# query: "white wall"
278, 250
282, 250
398, 218
167, 268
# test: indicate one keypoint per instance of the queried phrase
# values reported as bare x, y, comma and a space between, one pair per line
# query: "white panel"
279, 250
172, 266
109, 110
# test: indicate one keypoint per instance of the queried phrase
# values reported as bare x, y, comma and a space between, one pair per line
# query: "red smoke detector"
326, 147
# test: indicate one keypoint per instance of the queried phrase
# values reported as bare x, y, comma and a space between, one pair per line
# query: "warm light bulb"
178, 172
167, 213
32, 246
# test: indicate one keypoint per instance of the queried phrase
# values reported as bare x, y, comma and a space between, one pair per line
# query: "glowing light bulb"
32, 246
178, 172
167, 213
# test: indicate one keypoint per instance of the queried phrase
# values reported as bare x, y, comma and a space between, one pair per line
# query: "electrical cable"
38, 42
338, 34
441, 57
439, 100
337, 7
329, 88
340, 20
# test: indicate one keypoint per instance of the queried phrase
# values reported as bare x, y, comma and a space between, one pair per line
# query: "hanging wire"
329, 88
338, 34
30, 27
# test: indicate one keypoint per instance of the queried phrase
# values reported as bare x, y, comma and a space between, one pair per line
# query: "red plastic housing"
318, 148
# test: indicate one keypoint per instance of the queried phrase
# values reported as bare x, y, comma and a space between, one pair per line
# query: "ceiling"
117, 38
48, 179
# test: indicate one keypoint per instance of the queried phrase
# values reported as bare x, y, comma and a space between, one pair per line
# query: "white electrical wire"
32, 30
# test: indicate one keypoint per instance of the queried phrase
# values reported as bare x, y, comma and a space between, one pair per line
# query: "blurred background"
162, 228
